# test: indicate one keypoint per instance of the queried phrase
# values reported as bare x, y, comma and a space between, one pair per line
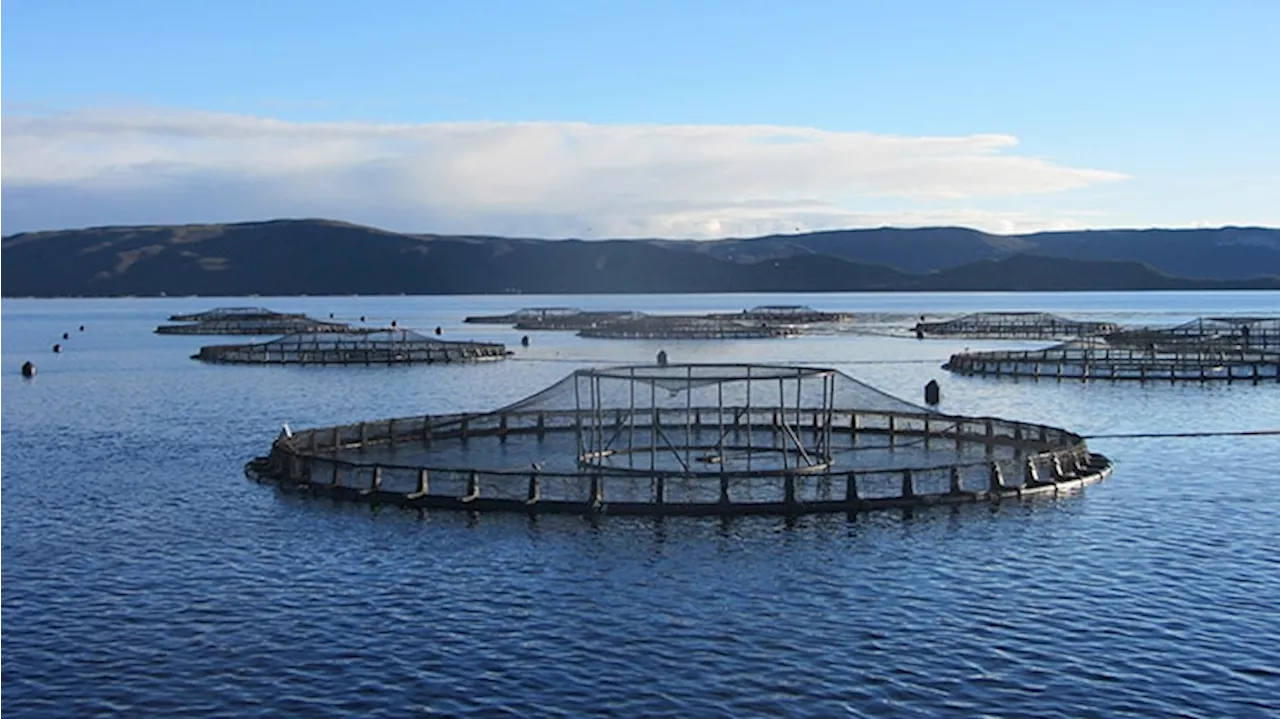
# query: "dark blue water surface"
144, 575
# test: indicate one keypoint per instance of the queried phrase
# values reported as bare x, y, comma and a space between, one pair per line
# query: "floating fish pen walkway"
247, 321
577, 321
1207, 334
682, 327
686, 439
534, 314
1082, 361
384, 347
1014, 325
788, 314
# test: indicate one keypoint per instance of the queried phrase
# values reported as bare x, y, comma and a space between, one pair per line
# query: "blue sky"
653, 118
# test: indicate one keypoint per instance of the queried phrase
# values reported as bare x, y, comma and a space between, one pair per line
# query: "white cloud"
535, 178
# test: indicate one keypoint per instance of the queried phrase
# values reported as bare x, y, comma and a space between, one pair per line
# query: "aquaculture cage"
221, 314
382, 347
1098, 359
789, 314
1014, 325
527, 313
686, 439
575, 321
247, 321
648, 327
1207, 334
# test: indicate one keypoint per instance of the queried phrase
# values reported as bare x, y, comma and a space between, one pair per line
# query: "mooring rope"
1161, 435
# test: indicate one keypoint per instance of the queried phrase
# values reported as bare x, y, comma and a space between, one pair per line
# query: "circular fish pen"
1014, 325
1094, 361
382, 347
788, 314
247, 321
685, 327
686, 439
526, 313
1207, 334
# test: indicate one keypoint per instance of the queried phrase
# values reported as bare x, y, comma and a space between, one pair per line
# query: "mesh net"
707, 386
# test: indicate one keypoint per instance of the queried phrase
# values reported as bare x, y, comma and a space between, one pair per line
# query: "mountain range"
323, 257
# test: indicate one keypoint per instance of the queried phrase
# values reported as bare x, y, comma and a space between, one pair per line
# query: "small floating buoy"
330, 315
932, 392
524, 341
393, 323
662, 358
66, 335
437, 330
57, 348
28, 369
362, 318
82, 328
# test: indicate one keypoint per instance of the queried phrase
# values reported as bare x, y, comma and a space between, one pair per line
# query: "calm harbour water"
144, 575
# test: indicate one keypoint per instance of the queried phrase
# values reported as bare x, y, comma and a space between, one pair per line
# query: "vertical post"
577, 411
780, 420
750, 422
542, 425
908, 484
851, 488
631, 434
426, 429
533, 495
995, 482
789, 491
473, 485
422, 482
653, 427
364, 435
688, 416
376, 483
955, 481
720, 429
502, 427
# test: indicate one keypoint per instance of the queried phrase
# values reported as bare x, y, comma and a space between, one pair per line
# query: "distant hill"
290, 257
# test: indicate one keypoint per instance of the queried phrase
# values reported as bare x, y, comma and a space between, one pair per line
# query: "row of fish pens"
1121, 364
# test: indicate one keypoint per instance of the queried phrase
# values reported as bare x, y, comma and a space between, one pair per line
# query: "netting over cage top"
357, 340
1230, 325
712, 385
234, 313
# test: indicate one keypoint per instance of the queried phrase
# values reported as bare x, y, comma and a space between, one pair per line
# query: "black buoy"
330, 315
932, 392
57, 348
524, 341
393, 323
662, 358
66, 335
437, 330
28, 369
82, 328
362, 318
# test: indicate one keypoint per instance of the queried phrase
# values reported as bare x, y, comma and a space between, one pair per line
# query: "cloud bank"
546, 179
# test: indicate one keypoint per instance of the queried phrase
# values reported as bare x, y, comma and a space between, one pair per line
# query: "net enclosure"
787, 314
1141, 361
381, 347
1206, 334
1014, 325
246, 321
692, 327
686, 439
527, 313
